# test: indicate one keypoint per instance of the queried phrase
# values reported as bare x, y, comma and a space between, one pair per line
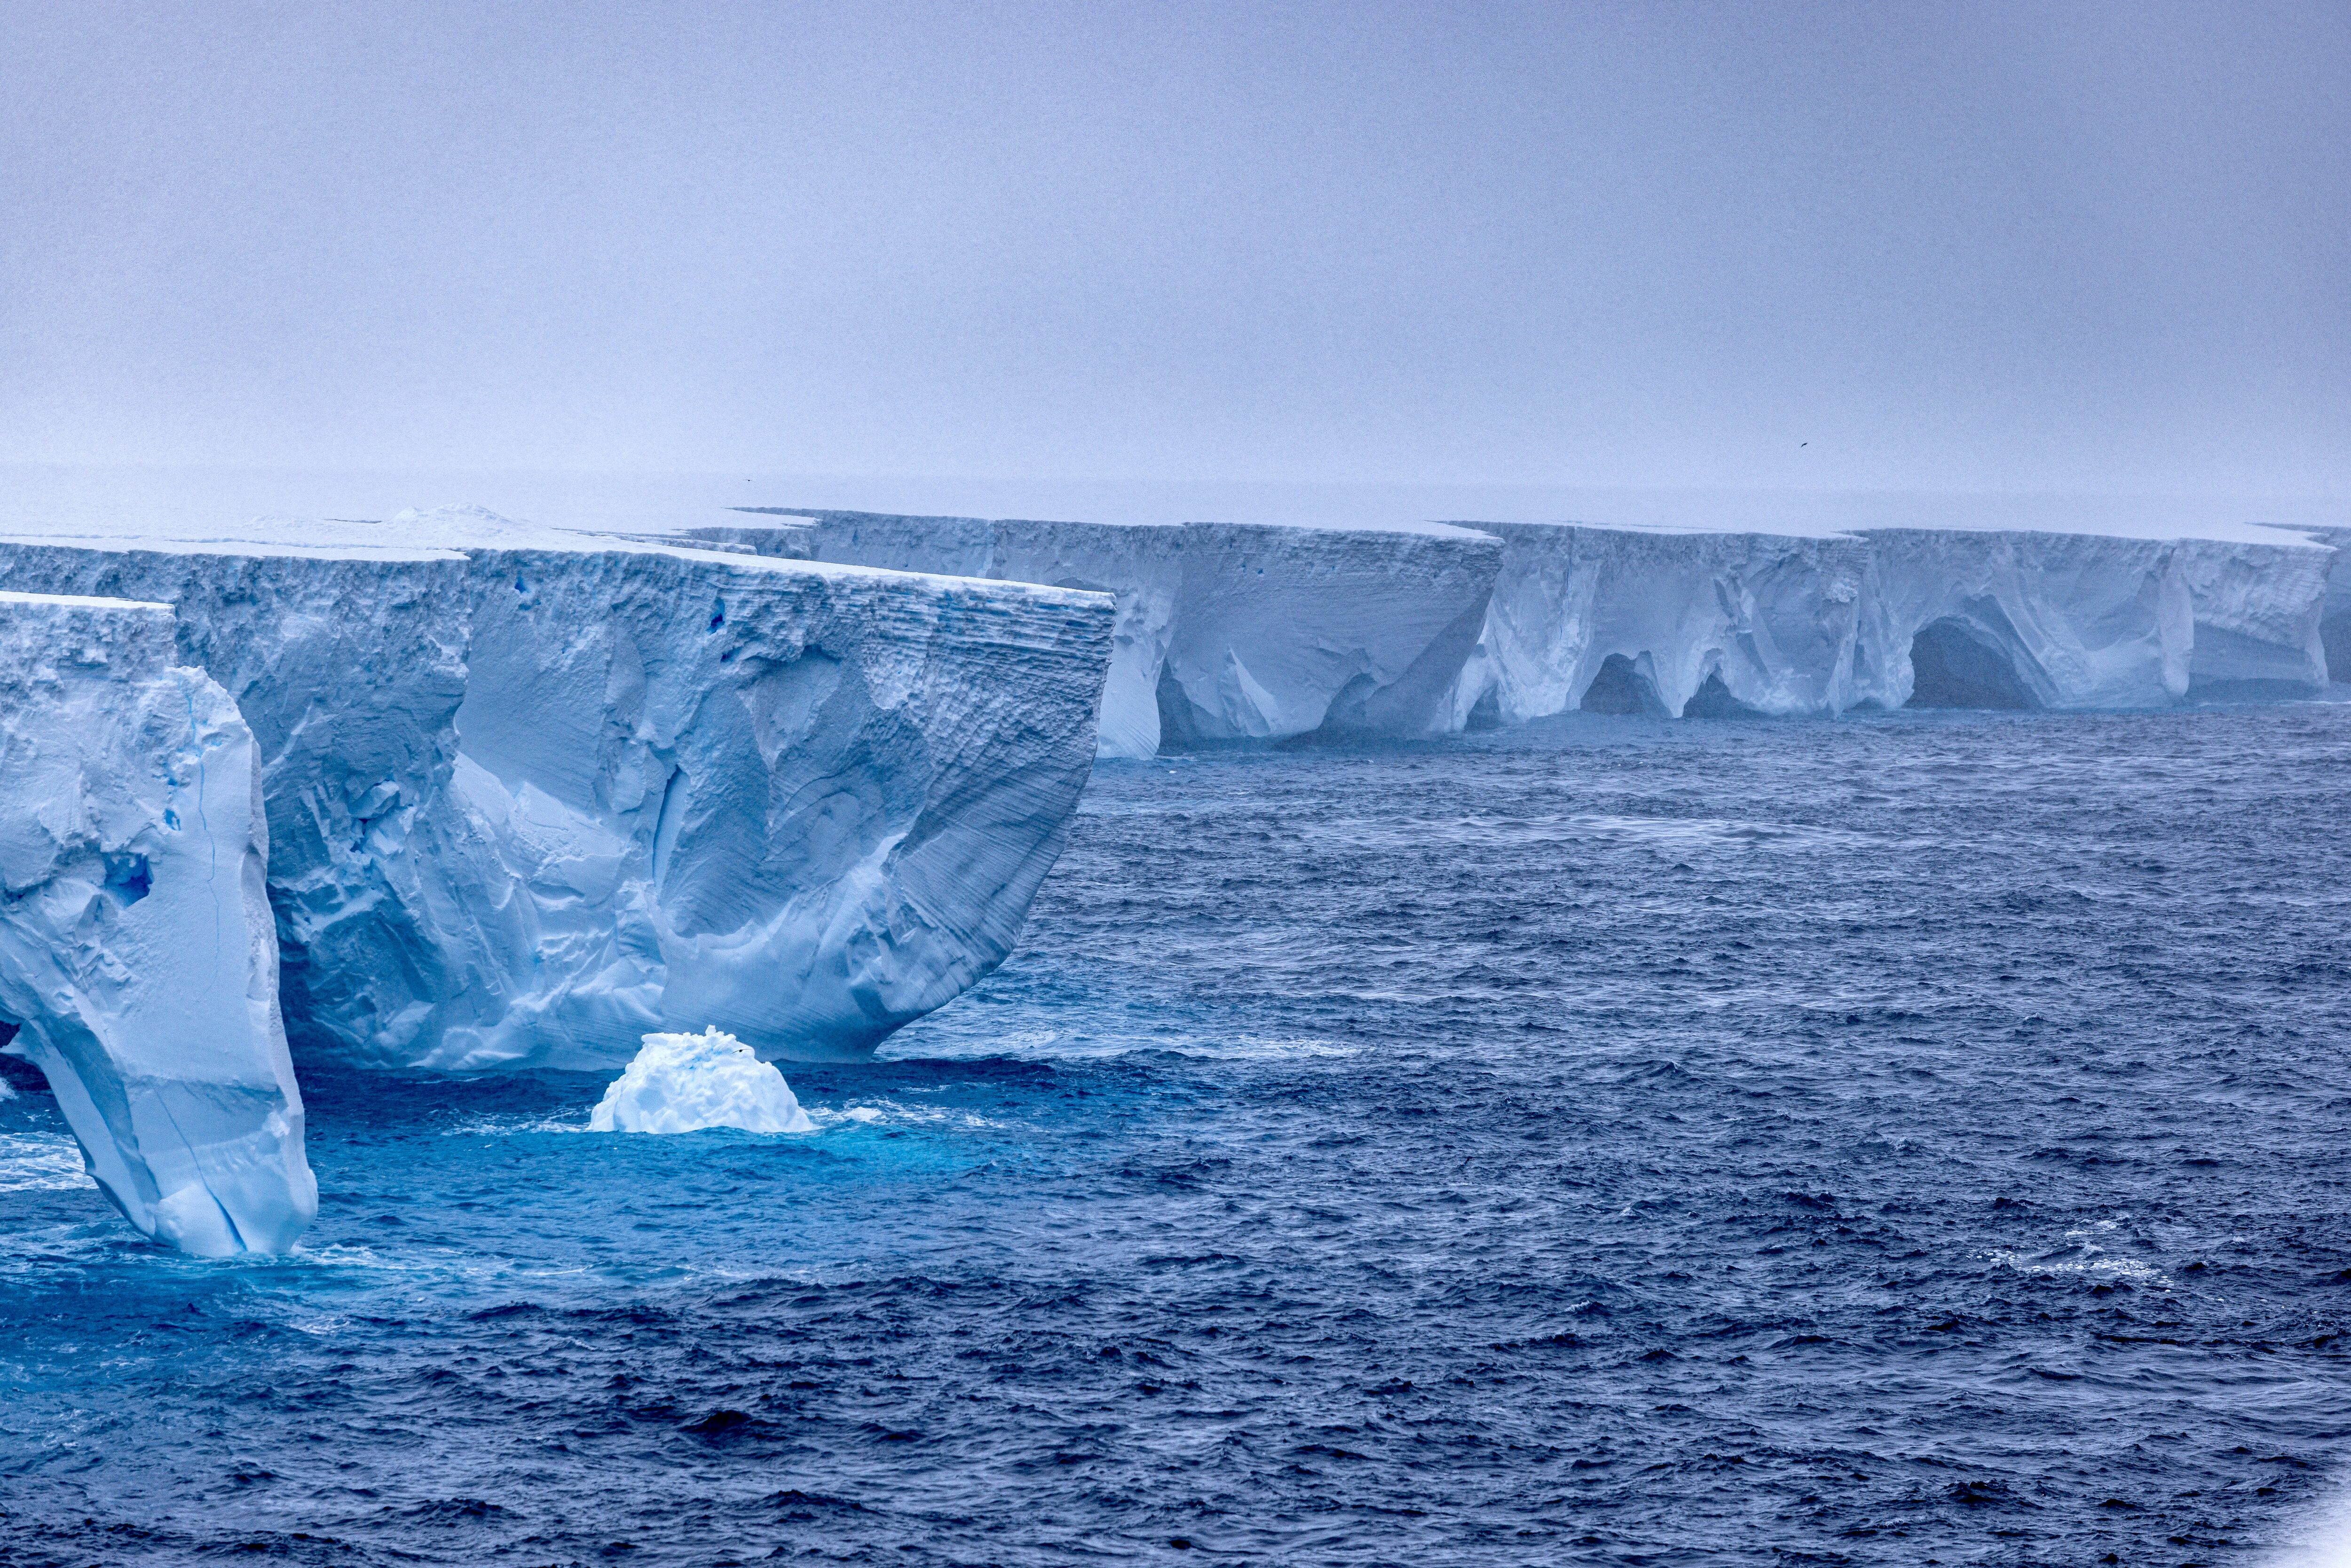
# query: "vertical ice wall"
1139, 565
2023, 620
138, 961
1285, 632
2258, 609
1700, 623
349, 664
1658, 622
804, 803
2335, 612
1230, 631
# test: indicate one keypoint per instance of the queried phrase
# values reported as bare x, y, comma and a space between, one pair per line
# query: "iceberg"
1223, 631
535, 793
2259, 609
687, 1082
2335, 612
1665, 624
1140, 565
349, 663
1954, 617
138, 955
1696, 625
1285, 632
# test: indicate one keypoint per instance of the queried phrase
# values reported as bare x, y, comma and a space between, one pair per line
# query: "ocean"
1907, 1138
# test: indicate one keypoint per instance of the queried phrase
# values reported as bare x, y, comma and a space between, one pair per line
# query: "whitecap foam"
41, 1161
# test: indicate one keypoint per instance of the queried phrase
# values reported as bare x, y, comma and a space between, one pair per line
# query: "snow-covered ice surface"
1229, 632
536, 793
687, 1082
138, 959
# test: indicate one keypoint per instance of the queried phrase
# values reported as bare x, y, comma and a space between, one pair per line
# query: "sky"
1964, 248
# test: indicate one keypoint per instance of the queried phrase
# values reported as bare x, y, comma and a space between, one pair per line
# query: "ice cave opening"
1952, 667
1713, 700
1619, 688
18, 1075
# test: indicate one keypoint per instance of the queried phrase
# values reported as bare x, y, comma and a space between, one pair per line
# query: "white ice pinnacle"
138, 959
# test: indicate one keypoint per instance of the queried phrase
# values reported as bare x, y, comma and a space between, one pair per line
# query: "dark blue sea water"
1912, 1139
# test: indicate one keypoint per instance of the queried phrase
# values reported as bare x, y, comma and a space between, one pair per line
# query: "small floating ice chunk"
685, 1083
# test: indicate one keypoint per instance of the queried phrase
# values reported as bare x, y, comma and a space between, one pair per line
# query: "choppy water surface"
1901, 1139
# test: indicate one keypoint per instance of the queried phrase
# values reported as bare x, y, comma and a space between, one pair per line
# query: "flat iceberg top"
83, 601
1834, 515
1370, 525
453, 533
304, 538
2273, 535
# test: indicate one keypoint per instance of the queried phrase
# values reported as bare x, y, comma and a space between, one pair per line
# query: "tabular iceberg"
1225, 631
805, 802
534, 794
349, 664
137, 956
1698, 624
1630, 622
1960, 619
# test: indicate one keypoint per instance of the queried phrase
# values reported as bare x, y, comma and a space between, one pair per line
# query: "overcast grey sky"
1968, 246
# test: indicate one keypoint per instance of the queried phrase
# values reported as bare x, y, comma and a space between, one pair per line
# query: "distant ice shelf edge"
459, 793
1228, 633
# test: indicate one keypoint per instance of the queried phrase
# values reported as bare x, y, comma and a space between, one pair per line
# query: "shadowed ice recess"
1914, 1136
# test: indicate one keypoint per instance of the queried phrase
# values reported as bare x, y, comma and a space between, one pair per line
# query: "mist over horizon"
1523, 251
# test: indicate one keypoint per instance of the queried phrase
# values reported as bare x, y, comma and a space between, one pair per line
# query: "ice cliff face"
348, 664
1698, 623
1285, 632
804, 803
1140, 566
2023, 620
535, 795
2258, 610
1227, 632
2335, 614
1646, 622
137, 957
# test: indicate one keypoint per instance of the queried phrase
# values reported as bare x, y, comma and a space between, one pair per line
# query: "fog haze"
1802, 248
